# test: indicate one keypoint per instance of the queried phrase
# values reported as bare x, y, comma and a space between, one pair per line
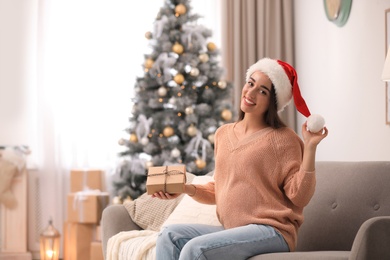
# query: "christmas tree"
178, 104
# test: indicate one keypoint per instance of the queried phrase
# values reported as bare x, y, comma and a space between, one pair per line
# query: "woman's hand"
188, 189
165, 196
313, 139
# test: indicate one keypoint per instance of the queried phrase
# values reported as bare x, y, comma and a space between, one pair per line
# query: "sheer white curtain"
91, 52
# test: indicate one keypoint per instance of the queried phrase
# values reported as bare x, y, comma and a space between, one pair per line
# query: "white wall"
339, 72
18, 23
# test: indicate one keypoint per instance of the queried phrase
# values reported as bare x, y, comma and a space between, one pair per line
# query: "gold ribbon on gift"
166, 173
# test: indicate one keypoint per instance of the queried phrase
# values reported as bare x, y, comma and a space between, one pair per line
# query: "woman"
264, 176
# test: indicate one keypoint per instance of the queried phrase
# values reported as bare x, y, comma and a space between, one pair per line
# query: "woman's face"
256, 93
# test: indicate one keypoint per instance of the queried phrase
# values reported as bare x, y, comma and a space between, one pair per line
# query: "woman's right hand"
165, 196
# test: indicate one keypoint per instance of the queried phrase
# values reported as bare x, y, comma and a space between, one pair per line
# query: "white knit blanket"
130, 245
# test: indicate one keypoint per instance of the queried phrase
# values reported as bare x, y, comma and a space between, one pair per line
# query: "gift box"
87, 206
169, 179
77, 241
97, 236
96, 251
86, 180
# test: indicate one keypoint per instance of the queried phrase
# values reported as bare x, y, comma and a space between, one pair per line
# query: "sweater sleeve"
205, 193
299, 185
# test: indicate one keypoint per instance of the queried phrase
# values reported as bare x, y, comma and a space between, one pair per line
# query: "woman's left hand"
313, 139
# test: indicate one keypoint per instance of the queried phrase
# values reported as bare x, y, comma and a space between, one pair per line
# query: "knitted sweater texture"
259, 180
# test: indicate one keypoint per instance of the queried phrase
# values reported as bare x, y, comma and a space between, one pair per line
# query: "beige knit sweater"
258, 180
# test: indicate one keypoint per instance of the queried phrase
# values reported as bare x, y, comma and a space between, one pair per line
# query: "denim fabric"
195, 241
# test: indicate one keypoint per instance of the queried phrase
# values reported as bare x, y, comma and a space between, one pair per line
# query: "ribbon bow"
193, 35
159, 25
162, 65
196, 142
143, 128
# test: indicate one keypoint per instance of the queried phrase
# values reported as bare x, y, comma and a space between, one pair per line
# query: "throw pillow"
191, 211
150, 213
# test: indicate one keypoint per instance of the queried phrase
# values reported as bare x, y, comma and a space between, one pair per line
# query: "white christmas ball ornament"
144, 140
162, 91
121, 141
315, 123
189, 110
175, 153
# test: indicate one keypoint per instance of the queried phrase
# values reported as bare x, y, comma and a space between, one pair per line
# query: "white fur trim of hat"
278, 77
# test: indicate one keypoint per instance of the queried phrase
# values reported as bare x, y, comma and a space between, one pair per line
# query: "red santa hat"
285, 80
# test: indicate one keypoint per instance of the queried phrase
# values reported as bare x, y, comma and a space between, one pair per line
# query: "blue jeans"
195, 241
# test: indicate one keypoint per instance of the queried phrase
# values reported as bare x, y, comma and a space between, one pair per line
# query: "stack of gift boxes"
85, 204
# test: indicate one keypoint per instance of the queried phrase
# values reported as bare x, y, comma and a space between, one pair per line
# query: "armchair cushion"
150, 213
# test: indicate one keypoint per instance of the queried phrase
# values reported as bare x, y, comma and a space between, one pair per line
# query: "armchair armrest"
115, 219
372, 240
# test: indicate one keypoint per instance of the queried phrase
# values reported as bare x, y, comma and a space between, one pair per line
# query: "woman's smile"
249, 102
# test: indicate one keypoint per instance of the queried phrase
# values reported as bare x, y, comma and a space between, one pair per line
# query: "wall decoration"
337, 11
387, 42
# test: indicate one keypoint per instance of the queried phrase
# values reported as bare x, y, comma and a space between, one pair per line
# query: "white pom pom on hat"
285, 80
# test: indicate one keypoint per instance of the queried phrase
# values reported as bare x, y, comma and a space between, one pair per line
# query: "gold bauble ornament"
148, 63
148, 164
226, 114
222, 84
178, 48
200, 163
178, 78
180, 9
116, 200
203, 57
133, 138
148, 35
194, 72
189, 110
168, 131
211, 46
127, 200
211, 138
192, 130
